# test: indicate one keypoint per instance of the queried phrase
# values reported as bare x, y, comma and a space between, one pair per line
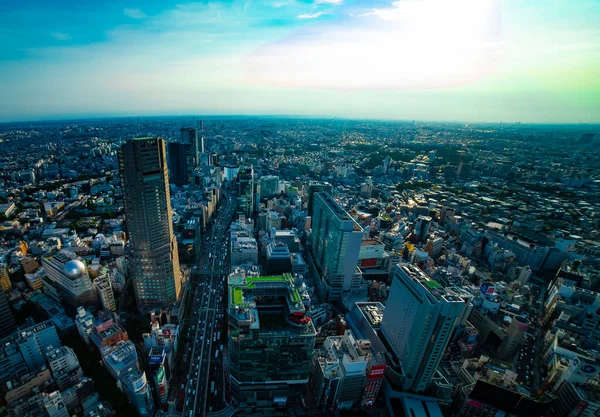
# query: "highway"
205, 388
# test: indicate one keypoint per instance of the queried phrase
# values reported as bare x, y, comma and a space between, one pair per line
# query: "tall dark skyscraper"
7, 320
190, 135
317, 187
178, 163
246, 190
271, 343
153, 258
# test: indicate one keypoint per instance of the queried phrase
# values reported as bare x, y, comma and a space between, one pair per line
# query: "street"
205, 387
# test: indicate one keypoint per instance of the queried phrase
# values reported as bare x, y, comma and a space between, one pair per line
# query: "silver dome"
74, 269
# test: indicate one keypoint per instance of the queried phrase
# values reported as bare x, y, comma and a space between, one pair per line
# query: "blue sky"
468, 60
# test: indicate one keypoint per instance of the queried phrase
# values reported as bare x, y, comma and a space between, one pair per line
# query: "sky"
530, 61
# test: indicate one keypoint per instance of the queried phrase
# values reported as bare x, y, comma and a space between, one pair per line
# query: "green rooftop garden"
250, 281
295, 296
237, 296
432, 284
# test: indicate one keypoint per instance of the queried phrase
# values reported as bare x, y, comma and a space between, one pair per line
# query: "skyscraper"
190, 136
317, 187
7, 320
178, 163
419, 319
336, 239
271, 342
246, 190
154, 262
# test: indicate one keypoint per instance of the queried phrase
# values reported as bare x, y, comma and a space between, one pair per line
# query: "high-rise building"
64, 366
33, 342
7, 320
245, 181
419, 319
135, 385
70, 277
316, 187
153, 257
5, 283
178, 163
190, 136
269, 185
271, 342
422, 227
105, 292
336, 240
339, 372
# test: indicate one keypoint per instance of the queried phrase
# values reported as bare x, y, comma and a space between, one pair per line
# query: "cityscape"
300, 208
221, 266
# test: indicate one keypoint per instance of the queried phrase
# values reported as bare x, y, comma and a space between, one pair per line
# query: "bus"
212, 387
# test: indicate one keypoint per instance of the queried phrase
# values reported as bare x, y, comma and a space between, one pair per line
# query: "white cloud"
60, 36
310, 15
134, 13
333, 2
410, 45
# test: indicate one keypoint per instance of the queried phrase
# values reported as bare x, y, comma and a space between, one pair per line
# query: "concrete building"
104, 289
338, 375
419, 319
70, 277
269, 185
153, 257
271, 342
336, 241
33, 342
7, 319
64, 366
135, 385
278, 259
119, 359
84, 322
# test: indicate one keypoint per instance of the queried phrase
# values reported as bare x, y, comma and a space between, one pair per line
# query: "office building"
178, 163
419, 319
135, 385
7, 320
159, 371
105, 292
153, 257
70, 278
271, 342
269, 185
64, 366
336, 241
189, 136
245, 199
84, 322
5, 283
54, 405
339, 372
317, 188
119, 359
33, 342
12, 363
422, 228
278, 258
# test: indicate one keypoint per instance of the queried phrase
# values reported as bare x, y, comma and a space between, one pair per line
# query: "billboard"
376, 371
487, 288
370, 262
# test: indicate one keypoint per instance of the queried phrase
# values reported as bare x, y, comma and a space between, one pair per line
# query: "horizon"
205, 117
473, 60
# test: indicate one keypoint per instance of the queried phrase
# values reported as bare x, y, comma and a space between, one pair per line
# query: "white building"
419, 319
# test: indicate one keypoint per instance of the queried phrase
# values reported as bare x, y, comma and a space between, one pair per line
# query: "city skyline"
472, 61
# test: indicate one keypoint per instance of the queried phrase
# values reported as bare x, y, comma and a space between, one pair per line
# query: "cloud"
60, 36
333, 2
134, 13
410, 45
311, 15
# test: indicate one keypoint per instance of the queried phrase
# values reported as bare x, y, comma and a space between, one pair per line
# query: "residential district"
295, 267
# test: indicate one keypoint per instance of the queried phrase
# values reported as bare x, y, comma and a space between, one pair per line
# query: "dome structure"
74, 269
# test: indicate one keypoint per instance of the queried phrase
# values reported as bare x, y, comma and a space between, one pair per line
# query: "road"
205, 388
